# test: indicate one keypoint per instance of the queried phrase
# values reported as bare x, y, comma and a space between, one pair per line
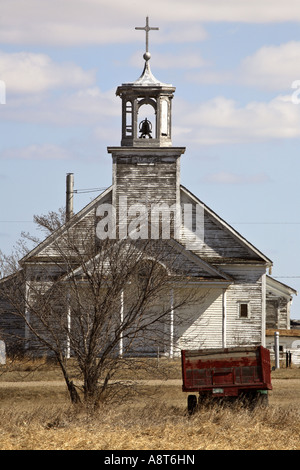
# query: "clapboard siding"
221, 242
247, 288
146, 178
200, 325
12, 328
272, 314
277, 313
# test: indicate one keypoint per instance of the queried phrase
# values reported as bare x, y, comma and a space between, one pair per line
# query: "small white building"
289, 342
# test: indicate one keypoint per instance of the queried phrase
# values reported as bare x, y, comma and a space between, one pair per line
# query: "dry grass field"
35, 414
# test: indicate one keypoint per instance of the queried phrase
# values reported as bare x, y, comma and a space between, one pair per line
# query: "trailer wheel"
191, 404
263, 399
256, 399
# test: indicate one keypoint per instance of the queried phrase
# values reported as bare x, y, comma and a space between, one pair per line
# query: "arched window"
128, 112
147, 110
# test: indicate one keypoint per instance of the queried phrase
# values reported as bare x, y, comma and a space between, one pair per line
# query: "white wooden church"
238, 299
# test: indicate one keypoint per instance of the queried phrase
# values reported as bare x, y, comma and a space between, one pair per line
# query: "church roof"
227, 245
205, 262
279, 287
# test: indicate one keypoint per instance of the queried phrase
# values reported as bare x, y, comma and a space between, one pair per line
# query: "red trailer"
228, 373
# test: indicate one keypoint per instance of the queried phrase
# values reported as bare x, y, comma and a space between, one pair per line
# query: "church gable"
219, 242
79, 227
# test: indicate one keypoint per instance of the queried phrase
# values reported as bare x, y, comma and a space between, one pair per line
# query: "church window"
244, 310
164, 118
128, 110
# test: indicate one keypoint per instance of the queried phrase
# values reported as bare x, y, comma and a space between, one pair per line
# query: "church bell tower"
146, 91
146, 167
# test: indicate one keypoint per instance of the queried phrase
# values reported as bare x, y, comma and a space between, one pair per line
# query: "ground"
35, 414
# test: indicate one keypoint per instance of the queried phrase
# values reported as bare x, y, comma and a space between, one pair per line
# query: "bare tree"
46, 223
98, 302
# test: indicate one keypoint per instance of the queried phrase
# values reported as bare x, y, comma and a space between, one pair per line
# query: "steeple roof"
147, 78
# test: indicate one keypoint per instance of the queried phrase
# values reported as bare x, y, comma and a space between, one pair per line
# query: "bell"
145, 129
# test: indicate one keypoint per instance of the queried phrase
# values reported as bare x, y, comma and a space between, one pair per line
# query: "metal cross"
147, 29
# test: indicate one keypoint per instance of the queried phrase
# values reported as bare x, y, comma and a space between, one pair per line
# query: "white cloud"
221, 121
66, 22
256, 11
84, 107
272, 67
269, 68
37, 152
26, 72
93, 102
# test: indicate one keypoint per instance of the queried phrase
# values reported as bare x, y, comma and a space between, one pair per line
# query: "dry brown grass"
36, 415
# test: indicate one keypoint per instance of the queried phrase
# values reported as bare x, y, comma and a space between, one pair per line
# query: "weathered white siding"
221, 242
200, 325
278, 312
214, 321
247, 288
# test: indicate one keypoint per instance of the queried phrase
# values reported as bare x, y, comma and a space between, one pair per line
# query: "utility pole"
69, 196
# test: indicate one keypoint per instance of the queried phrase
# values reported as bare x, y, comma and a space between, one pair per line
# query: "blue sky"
233, 63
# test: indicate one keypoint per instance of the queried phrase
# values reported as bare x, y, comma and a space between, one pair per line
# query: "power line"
286, 277
90, 190
77, 191
265, 223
